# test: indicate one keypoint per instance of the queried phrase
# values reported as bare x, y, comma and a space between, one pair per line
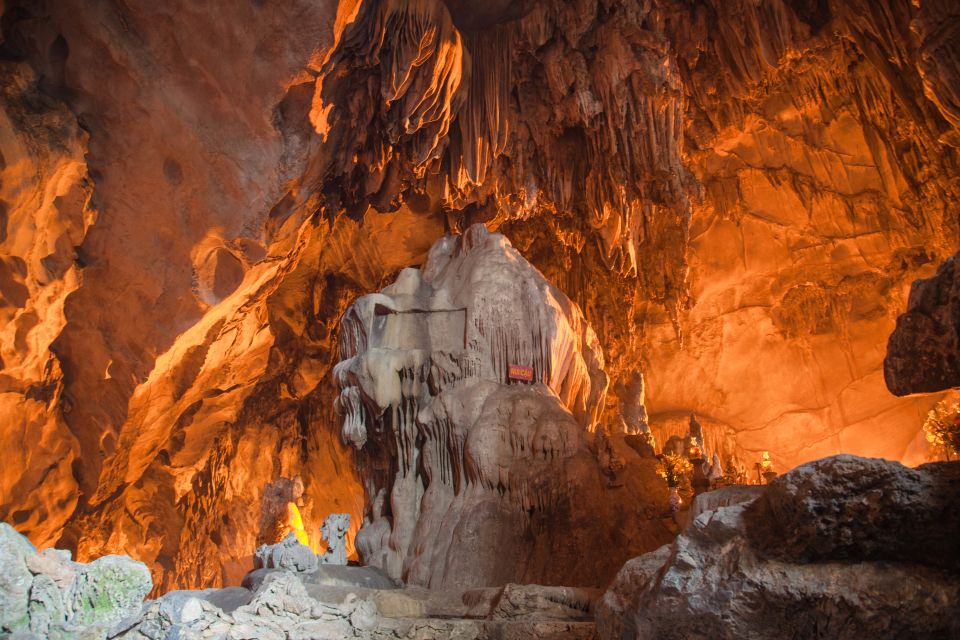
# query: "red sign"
521, 372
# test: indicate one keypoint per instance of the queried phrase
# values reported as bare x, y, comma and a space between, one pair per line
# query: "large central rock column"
473, 477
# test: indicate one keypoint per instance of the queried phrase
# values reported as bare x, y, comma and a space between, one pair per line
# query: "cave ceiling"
737, 195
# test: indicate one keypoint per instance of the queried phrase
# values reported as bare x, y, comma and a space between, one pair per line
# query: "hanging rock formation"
735, 194
473, 476
811, 128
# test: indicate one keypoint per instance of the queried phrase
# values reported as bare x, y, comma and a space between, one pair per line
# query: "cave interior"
591, 319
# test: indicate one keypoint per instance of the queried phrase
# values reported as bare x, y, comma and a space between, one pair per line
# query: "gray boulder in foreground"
47, 595
830, 550
850, 508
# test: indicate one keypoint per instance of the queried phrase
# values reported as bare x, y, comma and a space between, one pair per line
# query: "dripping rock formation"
736, 195
475, 476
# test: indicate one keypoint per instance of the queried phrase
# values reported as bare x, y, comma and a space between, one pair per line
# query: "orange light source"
766, 463
295, 524
695, 450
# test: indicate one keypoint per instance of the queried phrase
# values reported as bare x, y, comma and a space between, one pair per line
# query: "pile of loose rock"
287, 606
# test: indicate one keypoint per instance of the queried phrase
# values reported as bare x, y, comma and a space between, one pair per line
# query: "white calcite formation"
334, 531
474, 478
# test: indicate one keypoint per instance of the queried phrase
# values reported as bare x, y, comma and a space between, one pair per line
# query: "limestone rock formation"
334, 531
283, 607
477, 476
923, 353
816, 214
735, 193
288, 554
842, 563
48, 595
45, 596
848, 508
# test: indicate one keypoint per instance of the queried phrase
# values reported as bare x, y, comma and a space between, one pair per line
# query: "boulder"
289, 554
923, 352
724, 497
842, 568
850, 508
15, 578
347, 576
107, 591
55, 563
50, 596
536, 602
46, 608
185, 606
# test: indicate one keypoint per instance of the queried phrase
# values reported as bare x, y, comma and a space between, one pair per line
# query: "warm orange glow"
695, 450
766, 462
295, 524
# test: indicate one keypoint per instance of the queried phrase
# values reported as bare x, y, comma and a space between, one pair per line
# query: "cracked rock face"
474, 477
735, 194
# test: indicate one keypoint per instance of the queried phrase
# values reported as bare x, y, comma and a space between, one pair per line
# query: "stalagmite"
475, 476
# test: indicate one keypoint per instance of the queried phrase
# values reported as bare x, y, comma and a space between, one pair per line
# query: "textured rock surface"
48, 595
923, 353
819, 208
848, 508
105, 601
284, 609
724, 497
720, 578
288, 554
473, 478
15, 578
334, 531
181, 187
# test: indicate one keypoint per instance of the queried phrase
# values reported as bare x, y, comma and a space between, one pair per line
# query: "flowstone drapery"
474, 475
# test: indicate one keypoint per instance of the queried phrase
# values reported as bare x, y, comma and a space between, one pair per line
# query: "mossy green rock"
46, 606
108, 590
15, 579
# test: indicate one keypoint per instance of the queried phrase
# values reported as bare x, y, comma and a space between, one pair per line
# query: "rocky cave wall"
737, 195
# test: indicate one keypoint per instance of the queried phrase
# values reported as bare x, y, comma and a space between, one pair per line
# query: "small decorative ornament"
766, 467
520, 372
675, 500
695, 450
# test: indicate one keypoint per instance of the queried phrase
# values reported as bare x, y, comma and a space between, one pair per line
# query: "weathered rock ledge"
47, 596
